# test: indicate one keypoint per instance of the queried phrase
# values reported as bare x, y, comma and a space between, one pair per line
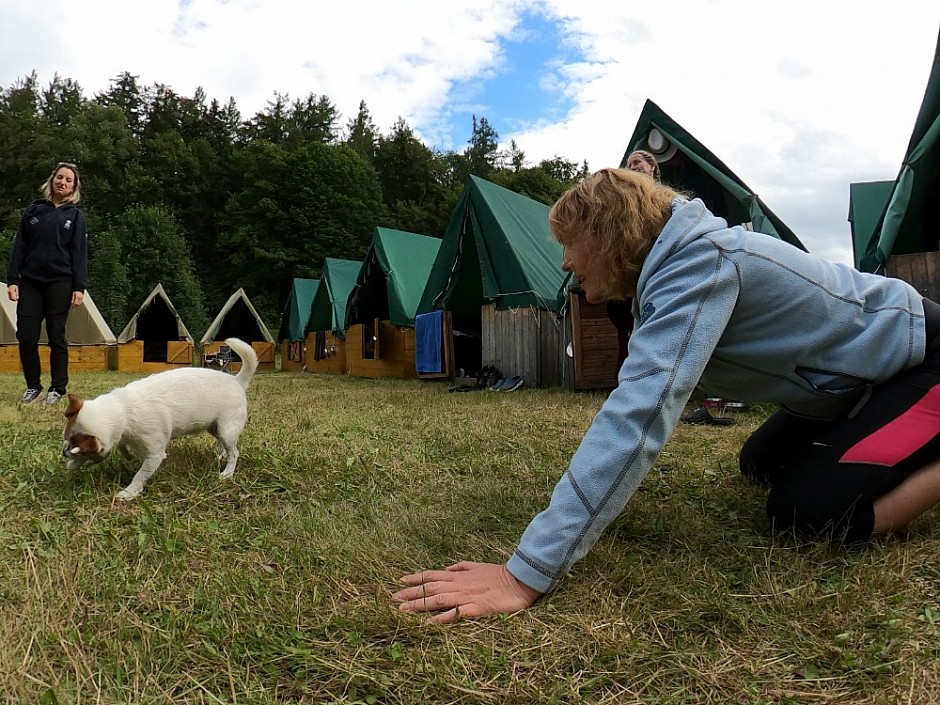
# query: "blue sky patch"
518, 91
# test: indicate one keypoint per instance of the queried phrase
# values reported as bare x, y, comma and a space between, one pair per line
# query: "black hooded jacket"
51, 245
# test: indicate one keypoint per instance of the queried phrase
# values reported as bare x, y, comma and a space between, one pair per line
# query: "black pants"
49, 302
825, 475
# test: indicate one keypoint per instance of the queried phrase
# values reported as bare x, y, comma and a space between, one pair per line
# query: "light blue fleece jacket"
754, 319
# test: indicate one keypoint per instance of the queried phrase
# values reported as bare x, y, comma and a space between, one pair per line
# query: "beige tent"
92, 345
239, 319
7, 321
155, 338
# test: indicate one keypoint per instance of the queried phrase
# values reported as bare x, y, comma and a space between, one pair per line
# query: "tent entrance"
156, 325
464, 300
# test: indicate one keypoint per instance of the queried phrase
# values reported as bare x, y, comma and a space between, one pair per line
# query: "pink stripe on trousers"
900, 438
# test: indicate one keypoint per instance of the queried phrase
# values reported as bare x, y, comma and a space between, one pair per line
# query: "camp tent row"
154, 339
92, 345
896, 224
492, 291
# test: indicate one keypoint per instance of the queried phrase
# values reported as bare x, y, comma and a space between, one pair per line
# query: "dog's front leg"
148, 468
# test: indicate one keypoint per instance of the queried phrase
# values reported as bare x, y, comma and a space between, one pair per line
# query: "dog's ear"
75, 404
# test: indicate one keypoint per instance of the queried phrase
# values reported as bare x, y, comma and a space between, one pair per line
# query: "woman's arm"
79, 253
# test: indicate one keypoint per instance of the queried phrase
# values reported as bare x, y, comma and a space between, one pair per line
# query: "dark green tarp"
392, 277
686, 165
498, 243
297, 310
328, 311
867, 201
911, 220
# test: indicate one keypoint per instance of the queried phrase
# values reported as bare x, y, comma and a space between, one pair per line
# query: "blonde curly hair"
624, 212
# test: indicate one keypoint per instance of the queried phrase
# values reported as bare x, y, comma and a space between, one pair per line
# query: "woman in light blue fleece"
852, 360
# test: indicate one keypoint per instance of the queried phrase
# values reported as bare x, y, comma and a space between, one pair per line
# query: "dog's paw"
127, 494
226, 473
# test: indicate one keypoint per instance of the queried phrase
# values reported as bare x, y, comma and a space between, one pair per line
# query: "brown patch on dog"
75, 405
83, 444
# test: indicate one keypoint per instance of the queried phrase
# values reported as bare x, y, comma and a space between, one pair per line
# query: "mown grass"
274, 587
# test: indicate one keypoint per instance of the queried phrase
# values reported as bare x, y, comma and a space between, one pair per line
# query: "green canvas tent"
867, 201
297, 309
392, 277
497, 249
326, 327
687, 165
499, 282
294, 324
328, 308
911, 222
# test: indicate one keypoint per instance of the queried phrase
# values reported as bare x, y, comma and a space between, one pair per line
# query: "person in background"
47, 274
853, 451
643, 162
618, 310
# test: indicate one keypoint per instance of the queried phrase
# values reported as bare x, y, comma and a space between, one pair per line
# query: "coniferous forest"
187, 192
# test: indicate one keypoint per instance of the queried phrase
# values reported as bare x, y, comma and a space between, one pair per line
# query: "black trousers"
825, 476
50, 303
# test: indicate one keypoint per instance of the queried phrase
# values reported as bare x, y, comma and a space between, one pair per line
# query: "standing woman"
47, 274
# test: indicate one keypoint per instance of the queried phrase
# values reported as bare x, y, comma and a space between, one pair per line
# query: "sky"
799, 99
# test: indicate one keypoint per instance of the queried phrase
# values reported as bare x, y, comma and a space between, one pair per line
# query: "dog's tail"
249, 360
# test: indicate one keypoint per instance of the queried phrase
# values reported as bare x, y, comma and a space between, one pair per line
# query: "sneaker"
512, 384
30, 395
52, 398
701, 416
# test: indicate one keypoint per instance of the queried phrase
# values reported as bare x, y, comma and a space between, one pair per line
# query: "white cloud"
798, 99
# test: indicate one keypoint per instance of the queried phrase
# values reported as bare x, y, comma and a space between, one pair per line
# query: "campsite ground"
274, 587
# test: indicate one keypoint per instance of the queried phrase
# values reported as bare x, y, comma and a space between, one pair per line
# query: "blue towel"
428, 341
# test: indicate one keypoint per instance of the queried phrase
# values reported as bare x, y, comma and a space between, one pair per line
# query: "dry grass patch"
274, 587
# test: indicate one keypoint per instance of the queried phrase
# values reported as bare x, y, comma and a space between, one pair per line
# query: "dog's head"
80, 445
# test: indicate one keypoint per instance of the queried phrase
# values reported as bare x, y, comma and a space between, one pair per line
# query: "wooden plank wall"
262, 348
292, 355
396, 352
920, 269
525, 341
335, 361
82, 358
594, 344
130, 357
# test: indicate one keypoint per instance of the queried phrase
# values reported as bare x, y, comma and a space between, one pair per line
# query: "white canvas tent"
239, 319
92, 345
155, 338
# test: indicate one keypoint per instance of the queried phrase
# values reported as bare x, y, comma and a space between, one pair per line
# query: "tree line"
186, 192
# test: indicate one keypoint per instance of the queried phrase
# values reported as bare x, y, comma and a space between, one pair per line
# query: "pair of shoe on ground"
703, 417
31, 395
507, 384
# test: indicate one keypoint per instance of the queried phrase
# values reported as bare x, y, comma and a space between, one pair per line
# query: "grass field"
274, 587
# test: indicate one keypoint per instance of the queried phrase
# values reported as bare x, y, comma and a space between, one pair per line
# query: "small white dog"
141, 417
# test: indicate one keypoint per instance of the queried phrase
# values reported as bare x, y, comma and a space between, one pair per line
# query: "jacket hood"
690, 220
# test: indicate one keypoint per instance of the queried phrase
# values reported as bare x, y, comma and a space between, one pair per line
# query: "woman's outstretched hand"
465, 589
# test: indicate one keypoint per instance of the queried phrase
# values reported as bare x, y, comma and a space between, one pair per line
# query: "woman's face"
637, 163
63, 184
581, 259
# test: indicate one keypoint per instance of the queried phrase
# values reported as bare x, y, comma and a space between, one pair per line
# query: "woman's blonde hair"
76, 194
624, 212
649, 159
